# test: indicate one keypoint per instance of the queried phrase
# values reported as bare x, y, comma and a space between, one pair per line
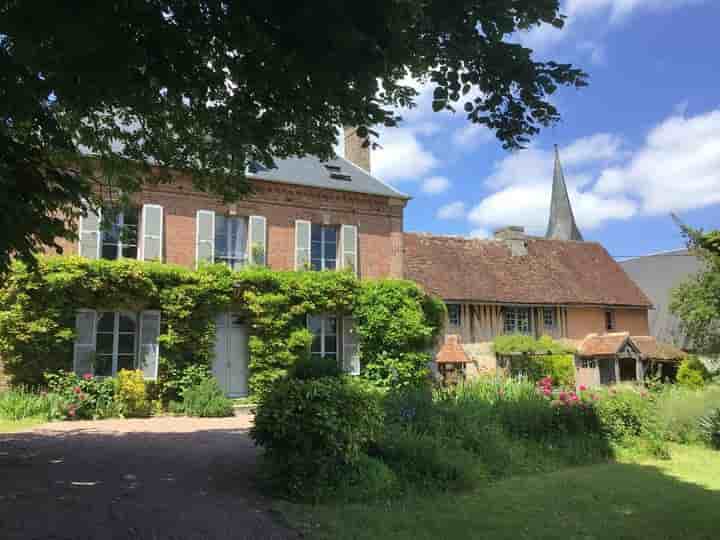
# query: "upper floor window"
454, 317
120, 233
325, 247
516, 320
231, 241
548, 318
610, 320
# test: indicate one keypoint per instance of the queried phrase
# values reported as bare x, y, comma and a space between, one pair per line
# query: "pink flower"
88, 376
77, 390
547, 391
563, 396
573, 397
582, 388
71, 412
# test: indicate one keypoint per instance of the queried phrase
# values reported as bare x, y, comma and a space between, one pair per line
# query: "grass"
645, 499
9, 426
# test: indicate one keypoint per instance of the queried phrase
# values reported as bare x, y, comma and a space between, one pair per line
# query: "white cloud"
454, 210
435, 185
472, 135
677, 169
402, 156
479, 233
619, 9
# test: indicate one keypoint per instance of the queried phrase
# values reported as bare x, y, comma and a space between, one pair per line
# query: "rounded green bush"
692, 373
206, 400
313, 429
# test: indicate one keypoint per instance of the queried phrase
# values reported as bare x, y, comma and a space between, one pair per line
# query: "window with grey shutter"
152, 232
349, 243
149, 343
89, 243
302, 245
350, 348
205, 237
258, 240
84, 348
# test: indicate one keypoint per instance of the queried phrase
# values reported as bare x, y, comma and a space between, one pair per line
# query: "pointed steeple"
561, 225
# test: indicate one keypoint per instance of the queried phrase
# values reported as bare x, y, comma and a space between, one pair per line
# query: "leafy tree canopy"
210, 86
697, 300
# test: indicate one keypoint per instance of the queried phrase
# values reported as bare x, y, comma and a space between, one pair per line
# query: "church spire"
561, 225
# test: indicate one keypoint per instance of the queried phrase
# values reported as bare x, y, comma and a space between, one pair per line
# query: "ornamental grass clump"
22, 402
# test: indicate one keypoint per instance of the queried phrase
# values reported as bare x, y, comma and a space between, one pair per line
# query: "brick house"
303, 214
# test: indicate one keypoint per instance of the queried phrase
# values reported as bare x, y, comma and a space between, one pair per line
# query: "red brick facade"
379, 221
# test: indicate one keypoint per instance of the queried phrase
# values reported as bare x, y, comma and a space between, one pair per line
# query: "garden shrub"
506, 344
205, 400
20, 403
130, 396
680, 408
85, 397
367, 479
709, 427
312, 430
307, 367
692, 373
625, 413
185, 378
427, 461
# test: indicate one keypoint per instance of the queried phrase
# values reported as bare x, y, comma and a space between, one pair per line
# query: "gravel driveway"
159, 478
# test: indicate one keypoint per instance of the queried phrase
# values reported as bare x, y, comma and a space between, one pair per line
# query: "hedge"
395, 320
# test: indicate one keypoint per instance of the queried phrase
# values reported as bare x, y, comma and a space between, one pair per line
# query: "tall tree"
211, 85
697, 300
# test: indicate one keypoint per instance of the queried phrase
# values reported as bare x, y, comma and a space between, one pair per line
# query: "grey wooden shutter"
302, 244
349, 243
205, 237
149, 343
257, 244
152, 232
350, 347
84, 348
90, 234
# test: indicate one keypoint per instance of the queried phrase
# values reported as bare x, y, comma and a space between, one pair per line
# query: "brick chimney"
354, 149
515, 238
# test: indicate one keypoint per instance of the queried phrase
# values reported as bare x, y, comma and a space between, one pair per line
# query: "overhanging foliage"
38, 305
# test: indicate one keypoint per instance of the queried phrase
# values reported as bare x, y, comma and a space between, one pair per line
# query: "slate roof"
552, 272
311, 171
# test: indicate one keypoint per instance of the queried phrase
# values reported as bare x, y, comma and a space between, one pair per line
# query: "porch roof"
452, 352
603, 344
653, 349
553, 272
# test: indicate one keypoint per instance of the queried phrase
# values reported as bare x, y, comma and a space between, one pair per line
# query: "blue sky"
643, 140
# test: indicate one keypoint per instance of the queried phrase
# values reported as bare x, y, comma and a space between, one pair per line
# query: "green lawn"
657, 500
8, 426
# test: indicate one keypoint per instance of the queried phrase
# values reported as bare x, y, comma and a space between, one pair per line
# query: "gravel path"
155, 479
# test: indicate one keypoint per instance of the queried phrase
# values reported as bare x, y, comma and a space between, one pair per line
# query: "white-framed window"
323, 247
108, 341
119, 238
231, 241
516, 320
115, 342
324, 329
548, 314
588, 363
610, 320
454, 316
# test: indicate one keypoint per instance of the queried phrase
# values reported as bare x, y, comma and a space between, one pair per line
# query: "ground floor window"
516, 320
454, 317
116, 345
334, 337
588, 363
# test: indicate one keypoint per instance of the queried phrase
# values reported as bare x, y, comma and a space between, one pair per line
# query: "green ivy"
520, 343
395, 320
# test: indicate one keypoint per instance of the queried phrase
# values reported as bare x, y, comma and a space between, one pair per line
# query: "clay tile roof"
602, 344
654, 350
452, 352
552, 272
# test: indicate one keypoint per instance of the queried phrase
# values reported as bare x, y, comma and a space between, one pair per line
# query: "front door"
230, 366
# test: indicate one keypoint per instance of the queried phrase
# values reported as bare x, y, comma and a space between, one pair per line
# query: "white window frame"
116, 338
338, 331
588, 363
244, 260
516, 320
323, 258
458, 313
553, 318
120, 244
144, 234
98, 231
347, 250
